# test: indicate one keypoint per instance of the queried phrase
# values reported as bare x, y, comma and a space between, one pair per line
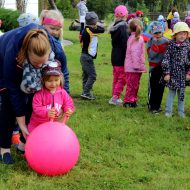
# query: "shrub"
9, 18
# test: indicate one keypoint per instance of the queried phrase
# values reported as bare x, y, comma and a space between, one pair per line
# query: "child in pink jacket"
52, 101
134, 63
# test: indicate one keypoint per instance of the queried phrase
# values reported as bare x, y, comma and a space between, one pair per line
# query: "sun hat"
27, 18
91, 18
121, 11
156, 27
52, 68
180, 27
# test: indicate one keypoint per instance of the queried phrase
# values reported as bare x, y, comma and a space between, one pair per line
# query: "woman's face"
53, 30
37, 61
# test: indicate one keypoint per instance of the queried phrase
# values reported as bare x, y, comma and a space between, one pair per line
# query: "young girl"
119, 35
176, 67
52, 21
134, 63
52, 101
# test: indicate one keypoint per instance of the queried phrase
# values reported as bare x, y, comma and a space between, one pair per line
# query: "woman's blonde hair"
136, 26
54, 14
36, 41
46, 78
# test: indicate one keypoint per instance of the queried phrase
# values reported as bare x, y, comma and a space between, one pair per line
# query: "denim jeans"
170, 100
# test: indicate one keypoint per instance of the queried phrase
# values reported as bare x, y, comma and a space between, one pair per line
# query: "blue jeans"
170, 100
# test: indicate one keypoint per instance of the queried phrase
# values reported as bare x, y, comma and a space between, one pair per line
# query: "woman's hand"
167, 78
24, 131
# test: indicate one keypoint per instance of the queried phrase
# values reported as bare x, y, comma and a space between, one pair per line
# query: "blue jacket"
11, 74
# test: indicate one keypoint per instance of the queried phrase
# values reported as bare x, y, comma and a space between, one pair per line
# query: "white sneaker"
115, 101
168, 114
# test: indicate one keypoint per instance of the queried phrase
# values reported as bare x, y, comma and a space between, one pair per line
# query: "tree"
52, 4
21, 5
2, 2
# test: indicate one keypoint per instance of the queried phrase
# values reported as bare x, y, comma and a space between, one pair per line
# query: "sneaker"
19, 151
88, 96
16, 139
115, 101
6, 158
182, 115
168, 114
130, 105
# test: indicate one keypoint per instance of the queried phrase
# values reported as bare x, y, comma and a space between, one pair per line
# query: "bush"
9, 18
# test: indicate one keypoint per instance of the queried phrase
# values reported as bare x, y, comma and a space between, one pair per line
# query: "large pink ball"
52, 149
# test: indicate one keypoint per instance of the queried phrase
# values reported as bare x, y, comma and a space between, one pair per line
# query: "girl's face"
53, 83
37, 61
53, 30
181, 36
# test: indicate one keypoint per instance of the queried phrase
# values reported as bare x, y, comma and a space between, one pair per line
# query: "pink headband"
51, 21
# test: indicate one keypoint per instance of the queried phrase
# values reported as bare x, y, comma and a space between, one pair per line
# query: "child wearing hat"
89, 43
175, 20
27, 18
176, 67
119, 36
52, 101
187, 19
156, 47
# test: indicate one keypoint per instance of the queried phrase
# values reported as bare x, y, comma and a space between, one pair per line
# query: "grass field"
121, 148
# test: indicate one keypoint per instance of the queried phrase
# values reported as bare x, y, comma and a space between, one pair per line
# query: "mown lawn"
121, 149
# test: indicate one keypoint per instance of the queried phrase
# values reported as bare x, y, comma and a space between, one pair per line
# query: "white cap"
160, 17
176, 15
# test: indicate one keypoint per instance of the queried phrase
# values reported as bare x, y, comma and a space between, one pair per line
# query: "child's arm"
38, 108
166, 64
96, 29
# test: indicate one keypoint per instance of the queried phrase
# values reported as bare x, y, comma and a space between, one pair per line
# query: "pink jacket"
135, 55
43, 101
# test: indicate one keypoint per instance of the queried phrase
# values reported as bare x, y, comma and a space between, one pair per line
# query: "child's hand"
167, 78
69, 112
52, 113
187, 77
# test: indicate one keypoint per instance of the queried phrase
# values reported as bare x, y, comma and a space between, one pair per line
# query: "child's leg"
89, 69
120, 81
133, 82
181, 103
156, 89
170, 100
115, 78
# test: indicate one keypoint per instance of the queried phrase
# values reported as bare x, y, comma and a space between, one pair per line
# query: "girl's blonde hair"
54, 14
46, 78
136, 26
36, 41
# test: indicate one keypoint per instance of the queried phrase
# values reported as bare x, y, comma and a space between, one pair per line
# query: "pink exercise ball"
52, 149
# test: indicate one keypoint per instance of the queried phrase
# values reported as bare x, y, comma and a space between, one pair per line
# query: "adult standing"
16, 47
82, 9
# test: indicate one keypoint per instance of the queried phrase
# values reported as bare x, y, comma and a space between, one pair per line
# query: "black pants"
155, 90
8, 118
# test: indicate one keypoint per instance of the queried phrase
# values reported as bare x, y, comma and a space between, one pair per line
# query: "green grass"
121, 149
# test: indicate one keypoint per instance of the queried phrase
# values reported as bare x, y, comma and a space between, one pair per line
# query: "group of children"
168, 62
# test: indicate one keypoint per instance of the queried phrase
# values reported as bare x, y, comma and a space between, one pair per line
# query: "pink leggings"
133, 82
118, 80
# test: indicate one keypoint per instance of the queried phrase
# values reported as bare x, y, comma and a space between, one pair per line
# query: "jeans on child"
170, 100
